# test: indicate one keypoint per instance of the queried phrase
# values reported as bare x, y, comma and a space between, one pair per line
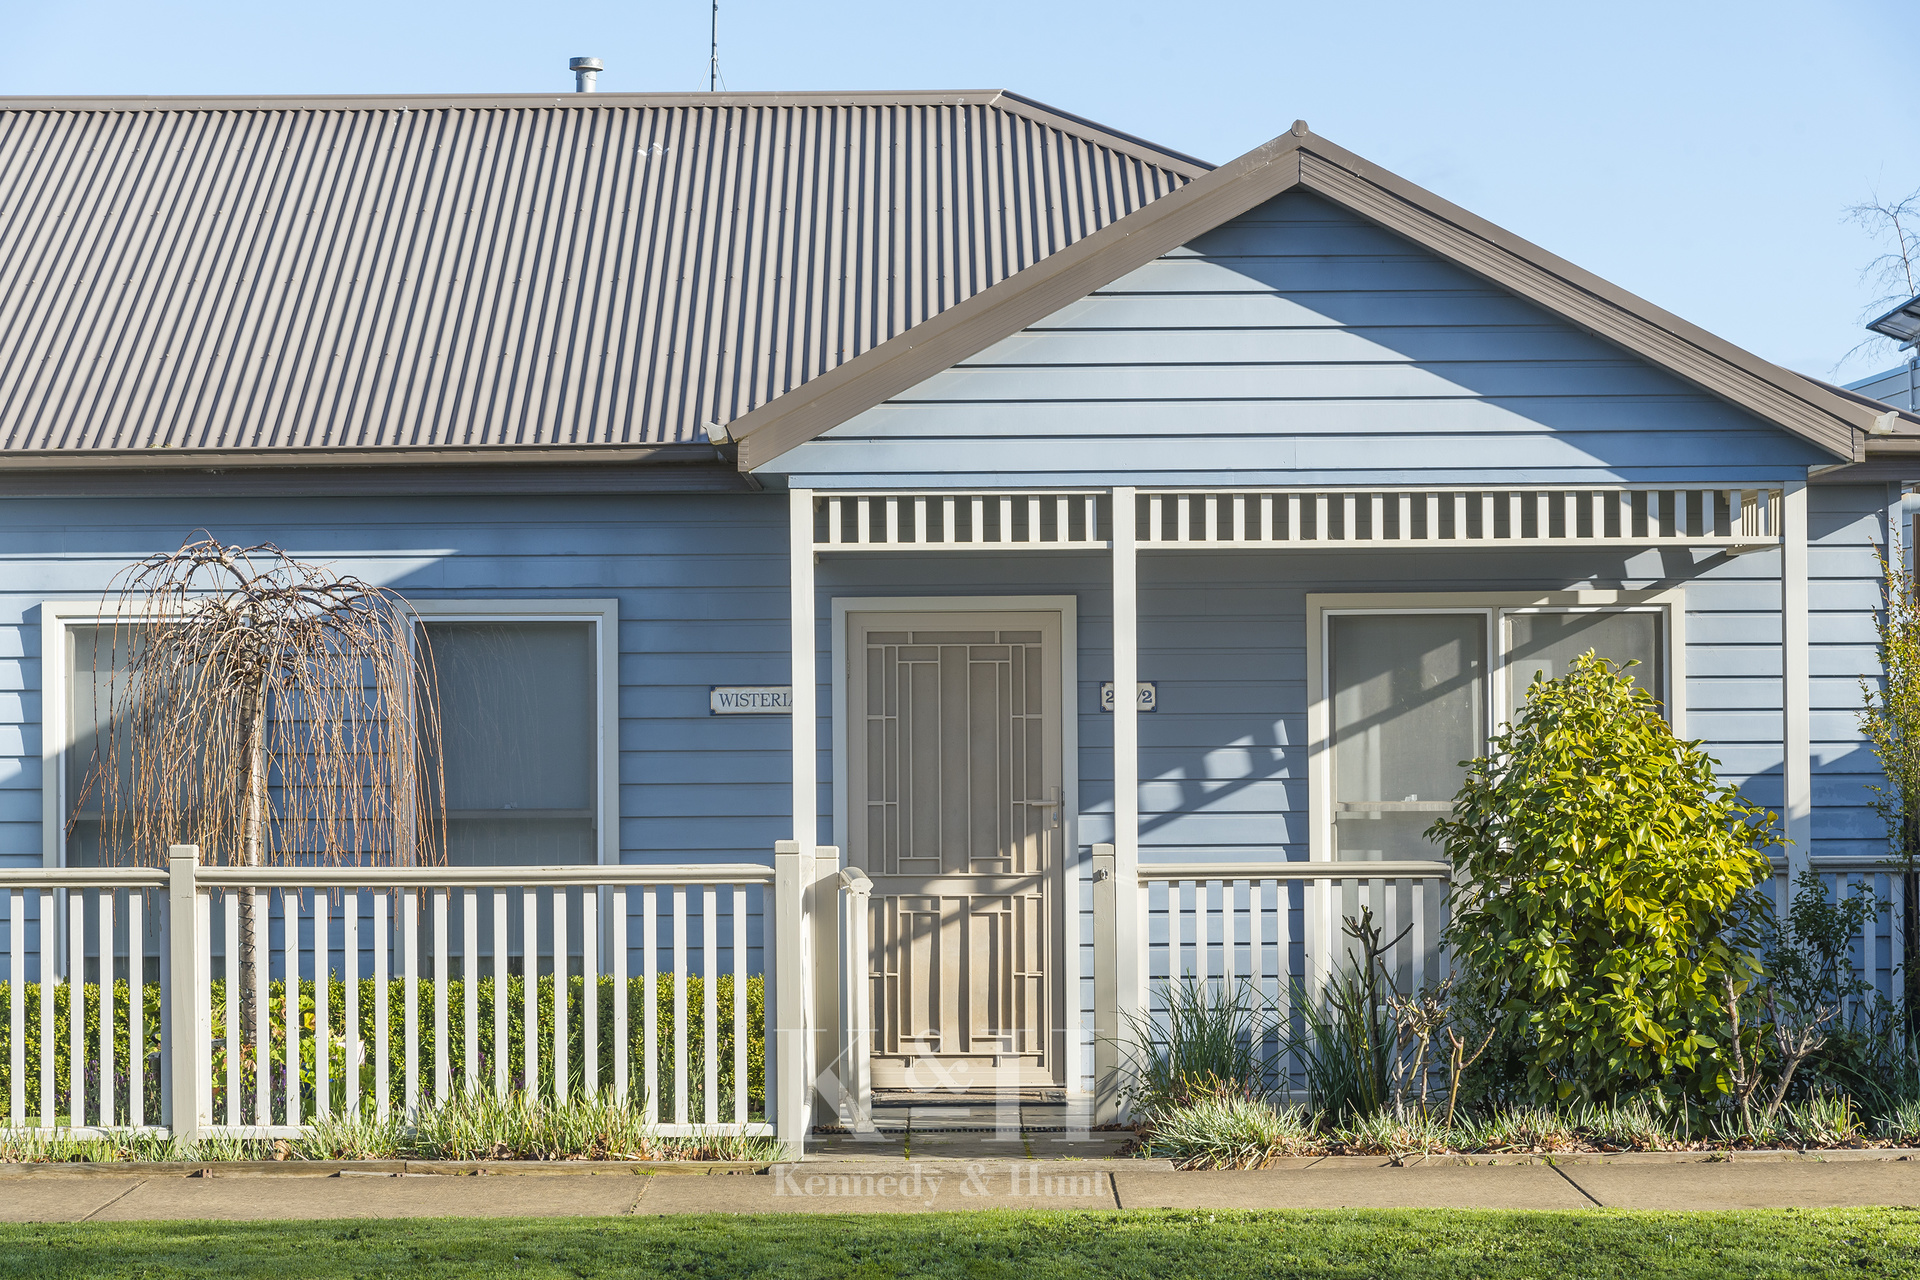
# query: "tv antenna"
713, 59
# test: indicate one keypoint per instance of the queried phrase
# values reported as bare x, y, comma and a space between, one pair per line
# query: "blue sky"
1699, 153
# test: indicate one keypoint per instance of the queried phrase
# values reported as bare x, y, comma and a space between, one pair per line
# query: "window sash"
1495, 701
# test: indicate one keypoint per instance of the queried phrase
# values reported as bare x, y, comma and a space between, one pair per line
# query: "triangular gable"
1301, 161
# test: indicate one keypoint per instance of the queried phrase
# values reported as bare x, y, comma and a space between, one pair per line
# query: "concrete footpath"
55, 1193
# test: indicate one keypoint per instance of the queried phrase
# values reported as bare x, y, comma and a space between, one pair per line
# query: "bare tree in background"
268, 710
1894, 275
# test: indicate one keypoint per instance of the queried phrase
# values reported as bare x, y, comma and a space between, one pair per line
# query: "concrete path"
60, 1194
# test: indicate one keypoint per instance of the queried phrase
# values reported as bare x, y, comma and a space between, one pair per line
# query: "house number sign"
750, 699
1149, 695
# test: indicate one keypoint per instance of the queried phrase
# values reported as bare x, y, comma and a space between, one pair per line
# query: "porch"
1142, 908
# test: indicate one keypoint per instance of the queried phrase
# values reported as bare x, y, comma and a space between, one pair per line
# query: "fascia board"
16, 460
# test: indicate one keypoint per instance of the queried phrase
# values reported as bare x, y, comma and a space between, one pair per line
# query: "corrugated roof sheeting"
500, 275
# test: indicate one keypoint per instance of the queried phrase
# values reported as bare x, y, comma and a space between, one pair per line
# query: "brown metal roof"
584, 270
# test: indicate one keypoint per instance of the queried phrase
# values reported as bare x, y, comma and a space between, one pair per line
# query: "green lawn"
1147, 1243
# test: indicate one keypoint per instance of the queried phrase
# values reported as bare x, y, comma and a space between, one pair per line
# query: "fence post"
1106, 987
856, 1011
188, 981
823, 961
789, 956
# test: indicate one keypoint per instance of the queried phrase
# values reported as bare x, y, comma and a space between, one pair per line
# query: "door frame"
1072, 1039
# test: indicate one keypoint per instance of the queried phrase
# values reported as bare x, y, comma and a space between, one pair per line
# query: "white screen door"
954, 792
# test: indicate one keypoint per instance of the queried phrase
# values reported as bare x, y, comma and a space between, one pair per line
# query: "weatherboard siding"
703, 601
1896, 387
1299, 344
701, 583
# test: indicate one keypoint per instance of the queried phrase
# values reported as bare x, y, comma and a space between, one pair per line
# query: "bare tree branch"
268, 711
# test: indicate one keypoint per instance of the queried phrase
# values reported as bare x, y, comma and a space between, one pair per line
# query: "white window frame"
1496, 607
58, 618
605, 617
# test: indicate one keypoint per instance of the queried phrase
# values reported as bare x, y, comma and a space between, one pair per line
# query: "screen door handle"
1047, 804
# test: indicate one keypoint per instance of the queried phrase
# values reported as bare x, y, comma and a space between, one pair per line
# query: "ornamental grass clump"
480, 1126
1210, 1036
1225, 1129
1605, 892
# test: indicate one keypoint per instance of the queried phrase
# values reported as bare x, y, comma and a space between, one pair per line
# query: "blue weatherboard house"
1108, 556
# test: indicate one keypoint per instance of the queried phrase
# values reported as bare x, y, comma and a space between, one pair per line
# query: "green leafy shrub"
396, 1031
1605, 892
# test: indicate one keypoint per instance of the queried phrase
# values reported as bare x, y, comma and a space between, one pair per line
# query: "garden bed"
467, 1128
1229, 1132
379, 1168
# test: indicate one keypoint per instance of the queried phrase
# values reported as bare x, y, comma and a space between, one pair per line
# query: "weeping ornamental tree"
268, 710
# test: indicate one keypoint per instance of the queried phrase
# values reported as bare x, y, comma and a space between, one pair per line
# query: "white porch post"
806, 804
1129, 949
1796, 690
792, 973
787, 1082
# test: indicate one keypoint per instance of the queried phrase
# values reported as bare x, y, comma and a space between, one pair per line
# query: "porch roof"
1836, 422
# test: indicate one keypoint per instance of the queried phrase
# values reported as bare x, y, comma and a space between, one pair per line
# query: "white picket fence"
463, 951
1881, 941
451, 945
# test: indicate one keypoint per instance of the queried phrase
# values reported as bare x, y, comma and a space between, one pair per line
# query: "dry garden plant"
268, 710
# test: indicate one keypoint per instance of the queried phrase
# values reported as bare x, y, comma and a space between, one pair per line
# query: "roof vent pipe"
585, 72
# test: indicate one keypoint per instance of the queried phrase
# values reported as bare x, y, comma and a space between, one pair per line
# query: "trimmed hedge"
396, 1030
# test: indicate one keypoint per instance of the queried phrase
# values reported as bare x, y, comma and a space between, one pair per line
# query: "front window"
519, 707
1409, 698
1409, 704
96, 674
518, 732
1546, 641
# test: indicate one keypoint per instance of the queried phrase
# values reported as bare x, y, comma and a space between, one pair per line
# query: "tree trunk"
252, 854
1910, 927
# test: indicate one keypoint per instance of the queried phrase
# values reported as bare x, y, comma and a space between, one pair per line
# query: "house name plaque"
750, 699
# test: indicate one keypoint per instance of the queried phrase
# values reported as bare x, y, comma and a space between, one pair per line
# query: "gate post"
1106, 988
187, 989
856, 1004
823, 960
788, 1050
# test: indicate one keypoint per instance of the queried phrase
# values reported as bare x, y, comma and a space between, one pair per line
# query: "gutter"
486, 456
